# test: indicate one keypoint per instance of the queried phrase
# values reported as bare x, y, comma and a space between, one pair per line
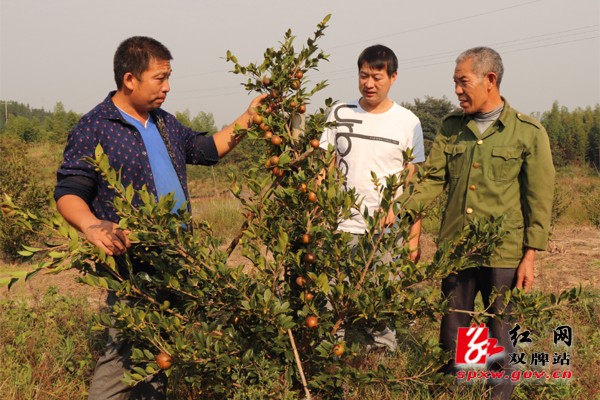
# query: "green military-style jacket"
506, 170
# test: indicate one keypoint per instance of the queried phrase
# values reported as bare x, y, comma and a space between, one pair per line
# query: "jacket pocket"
505, 163
510, 250
455, 159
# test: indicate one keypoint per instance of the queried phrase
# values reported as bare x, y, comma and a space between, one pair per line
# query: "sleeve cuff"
536, 238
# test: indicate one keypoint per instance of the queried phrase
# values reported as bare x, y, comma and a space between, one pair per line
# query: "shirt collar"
505, 114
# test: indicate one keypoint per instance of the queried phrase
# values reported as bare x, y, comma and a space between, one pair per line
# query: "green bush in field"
16, 182
591, 202
562, 201
270, 331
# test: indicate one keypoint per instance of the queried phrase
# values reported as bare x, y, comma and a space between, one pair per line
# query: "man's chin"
466, 109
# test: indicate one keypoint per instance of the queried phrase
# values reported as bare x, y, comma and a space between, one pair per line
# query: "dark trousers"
461, 290
108, 374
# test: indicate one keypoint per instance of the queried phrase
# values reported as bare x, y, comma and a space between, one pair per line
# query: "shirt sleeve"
431, 185
80, 186
417, 145
537, 194
203, 150
78, 147
199, 148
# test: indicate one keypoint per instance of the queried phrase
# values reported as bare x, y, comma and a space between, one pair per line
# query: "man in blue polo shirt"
150, 147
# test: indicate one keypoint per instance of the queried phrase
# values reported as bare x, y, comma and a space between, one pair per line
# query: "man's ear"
491, 79
128, 80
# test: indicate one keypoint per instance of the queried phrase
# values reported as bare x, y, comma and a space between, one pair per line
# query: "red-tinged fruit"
164, 361
338, 349
300, 281
276, 140
312, 322
306, 239
257, 119
309, 258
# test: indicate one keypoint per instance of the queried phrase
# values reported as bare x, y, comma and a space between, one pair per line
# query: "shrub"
562, 201
16, 182
591, 202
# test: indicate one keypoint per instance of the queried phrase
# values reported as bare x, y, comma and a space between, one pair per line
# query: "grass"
224, 215
47, 158
578, 184
47, 347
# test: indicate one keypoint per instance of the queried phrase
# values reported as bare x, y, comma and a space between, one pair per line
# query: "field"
49, 345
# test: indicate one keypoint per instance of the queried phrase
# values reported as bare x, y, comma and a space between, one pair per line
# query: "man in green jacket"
494, 161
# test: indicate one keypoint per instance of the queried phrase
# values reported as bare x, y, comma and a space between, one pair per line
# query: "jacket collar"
505, 114
108, 110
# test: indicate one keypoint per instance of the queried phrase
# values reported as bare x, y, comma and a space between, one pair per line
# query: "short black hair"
379, 57
134, 55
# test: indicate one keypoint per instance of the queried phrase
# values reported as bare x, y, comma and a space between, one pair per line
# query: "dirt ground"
573, 258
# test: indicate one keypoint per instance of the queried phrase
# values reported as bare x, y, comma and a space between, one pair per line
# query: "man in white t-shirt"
370, 136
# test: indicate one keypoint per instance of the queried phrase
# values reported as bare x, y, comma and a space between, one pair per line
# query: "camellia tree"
268, 328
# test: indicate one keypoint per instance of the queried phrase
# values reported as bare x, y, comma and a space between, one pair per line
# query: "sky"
62, 50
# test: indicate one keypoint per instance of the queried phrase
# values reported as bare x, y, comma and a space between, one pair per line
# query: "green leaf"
267, 296
31, 249
6, 282
282, 241
323, 283
57, 254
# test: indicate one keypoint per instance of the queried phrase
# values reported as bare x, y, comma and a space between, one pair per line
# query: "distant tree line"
574, 135
36, 125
